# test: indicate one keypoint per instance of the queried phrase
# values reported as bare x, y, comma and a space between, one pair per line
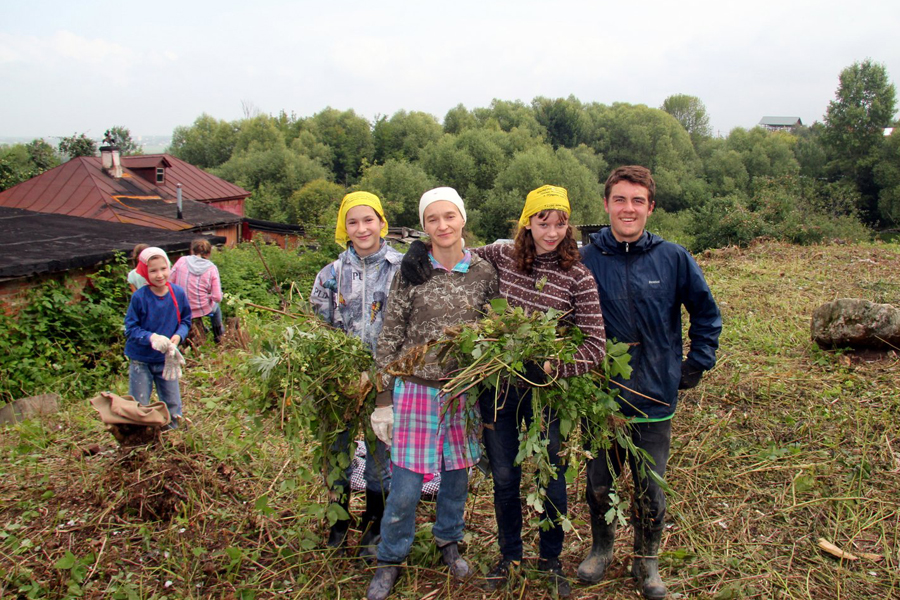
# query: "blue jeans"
215, 318
215, 321
378, 463
501, 441
649, 504
398, 527
142, 376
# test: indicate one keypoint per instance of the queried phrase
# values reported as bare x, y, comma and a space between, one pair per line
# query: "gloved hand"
174, 362
690, 375
160, 343
416, 266
383, 423
535, 374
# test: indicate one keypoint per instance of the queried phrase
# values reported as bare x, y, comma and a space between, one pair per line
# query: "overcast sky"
84, 66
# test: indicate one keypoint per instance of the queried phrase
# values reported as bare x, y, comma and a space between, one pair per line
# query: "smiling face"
628, 205
549, 231
443, 224
364, 229
158, 273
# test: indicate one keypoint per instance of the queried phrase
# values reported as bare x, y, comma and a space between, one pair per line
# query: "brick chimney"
111, 161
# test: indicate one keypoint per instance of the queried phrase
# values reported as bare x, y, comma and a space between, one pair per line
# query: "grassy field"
781, 445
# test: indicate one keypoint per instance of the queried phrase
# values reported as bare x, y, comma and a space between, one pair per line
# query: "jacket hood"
198, 265
607, 243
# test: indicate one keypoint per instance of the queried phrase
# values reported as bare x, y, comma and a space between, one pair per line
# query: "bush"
788, 209
243, 272
725, 221
673, 226
56, 344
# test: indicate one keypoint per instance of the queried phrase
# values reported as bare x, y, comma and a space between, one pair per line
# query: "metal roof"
32, 243
196, 183
780, 121
81, 188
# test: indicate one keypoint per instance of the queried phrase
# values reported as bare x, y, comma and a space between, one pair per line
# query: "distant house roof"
196, 183
33, 243
82, 188
780, 122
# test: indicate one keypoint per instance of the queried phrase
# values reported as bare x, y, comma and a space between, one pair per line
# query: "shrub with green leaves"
256, 272
787, 208
56, 343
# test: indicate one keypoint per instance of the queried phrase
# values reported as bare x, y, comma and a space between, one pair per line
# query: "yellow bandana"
357, 199
546, 197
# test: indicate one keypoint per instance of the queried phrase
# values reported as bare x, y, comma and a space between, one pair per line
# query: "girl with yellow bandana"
351, 294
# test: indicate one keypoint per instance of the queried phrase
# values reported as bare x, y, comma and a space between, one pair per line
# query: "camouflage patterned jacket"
419, 314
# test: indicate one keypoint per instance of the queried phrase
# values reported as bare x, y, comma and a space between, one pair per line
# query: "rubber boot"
593, 568
459, 568
645, 568
371, 524
385, 576
337, 535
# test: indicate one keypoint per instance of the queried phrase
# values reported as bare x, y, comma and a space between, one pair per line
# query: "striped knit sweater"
573, 290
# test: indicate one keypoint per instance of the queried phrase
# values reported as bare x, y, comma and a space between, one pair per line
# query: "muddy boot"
459, 568
593, 567
337, 535
645, 568
385, 576
371, 524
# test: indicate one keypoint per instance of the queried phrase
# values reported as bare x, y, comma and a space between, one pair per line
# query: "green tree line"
825, 178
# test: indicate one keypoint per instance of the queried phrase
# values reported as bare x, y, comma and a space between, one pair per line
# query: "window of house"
160, 175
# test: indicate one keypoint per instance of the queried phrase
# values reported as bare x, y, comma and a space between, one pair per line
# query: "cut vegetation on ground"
781, 446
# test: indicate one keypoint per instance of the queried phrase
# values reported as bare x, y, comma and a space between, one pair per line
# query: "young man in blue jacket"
643, 282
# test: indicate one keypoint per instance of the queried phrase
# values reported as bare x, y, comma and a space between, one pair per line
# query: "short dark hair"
637, 175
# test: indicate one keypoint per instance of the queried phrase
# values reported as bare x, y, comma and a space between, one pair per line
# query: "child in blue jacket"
158, 318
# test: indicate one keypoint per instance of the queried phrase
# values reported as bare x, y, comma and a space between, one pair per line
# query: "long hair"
525, 250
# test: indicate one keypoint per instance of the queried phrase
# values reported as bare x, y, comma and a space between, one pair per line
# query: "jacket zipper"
628, 286
365, 319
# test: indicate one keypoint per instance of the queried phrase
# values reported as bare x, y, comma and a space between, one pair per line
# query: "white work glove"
174, 362
160, 343
383, 423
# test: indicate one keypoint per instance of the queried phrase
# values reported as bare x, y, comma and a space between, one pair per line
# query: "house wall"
235, 207
232, 235
14, 292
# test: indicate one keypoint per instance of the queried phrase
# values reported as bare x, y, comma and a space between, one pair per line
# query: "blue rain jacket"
643, 286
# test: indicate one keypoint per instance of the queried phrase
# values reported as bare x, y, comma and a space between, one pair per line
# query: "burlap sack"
116, 409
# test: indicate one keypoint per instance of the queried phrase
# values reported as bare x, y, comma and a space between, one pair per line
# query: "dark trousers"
501, 441
649, 505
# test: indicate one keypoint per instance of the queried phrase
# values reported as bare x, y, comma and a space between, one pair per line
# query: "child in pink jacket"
200, 279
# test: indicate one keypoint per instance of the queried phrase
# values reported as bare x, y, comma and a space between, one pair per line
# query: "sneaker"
554, 568
497, 576
459, 568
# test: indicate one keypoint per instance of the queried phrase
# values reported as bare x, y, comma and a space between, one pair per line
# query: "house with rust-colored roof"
165, 172
106, 188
